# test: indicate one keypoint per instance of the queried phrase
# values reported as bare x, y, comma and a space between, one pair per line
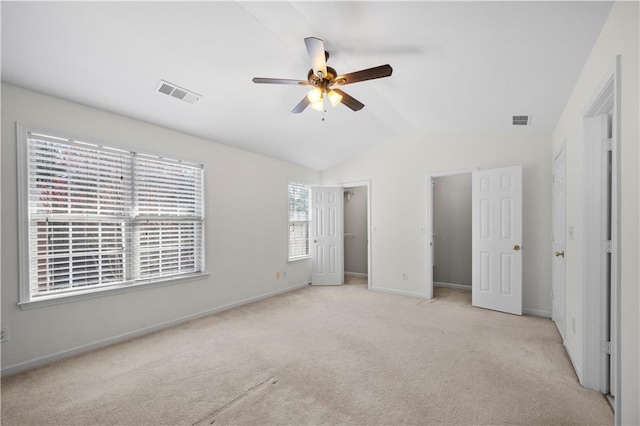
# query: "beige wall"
399, 170
246, 233
619, 37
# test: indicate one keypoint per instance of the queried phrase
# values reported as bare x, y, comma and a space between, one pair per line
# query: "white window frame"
132, 218
293, 222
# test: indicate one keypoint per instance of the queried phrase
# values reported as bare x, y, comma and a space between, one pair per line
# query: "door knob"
516, 247
560, 253
315, 241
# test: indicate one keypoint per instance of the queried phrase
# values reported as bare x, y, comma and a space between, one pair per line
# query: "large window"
299, 220
94, 217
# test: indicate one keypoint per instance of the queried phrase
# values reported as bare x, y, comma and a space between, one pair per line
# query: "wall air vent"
521, 120
177, 92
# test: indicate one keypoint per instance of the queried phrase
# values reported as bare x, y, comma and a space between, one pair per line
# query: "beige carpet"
320, 355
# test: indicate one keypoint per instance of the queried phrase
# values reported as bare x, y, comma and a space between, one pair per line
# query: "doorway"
437, 227
451, 236
357, 250
496, 236
328, 234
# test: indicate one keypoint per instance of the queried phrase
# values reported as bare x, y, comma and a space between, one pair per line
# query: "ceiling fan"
323, 79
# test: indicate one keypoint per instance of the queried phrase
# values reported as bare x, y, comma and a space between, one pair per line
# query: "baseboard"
400, 292
573, 362
48, 359
451, 285
355, 274
536, 312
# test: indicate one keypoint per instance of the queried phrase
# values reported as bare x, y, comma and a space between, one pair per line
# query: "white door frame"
366, 183
429, 230
605, 99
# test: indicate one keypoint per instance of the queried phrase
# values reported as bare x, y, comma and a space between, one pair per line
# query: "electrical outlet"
277, 275
404, 275
4, 334
284, 274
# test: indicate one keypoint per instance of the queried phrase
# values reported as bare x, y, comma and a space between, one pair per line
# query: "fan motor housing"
322, 82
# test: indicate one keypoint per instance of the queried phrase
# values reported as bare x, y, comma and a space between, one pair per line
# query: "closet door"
497, 239
327, 236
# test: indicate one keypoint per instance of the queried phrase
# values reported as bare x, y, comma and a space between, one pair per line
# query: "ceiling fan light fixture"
316, 98
334, 97
315, 95
321, 77
318, 106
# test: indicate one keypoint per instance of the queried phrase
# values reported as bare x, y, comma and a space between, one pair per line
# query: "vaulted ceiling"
456, 65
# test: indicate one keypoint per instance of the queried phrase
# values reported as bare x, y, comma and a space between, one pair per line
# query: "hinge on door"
606, 246
607, 145
606, 347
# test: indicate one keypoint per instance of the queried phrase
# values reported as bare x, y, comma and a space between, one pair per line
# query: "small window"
94, 217
299, 220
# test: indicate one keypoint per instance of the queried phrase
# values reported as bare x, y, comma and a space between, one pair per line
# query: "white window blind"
299, 220
169, 212
99, 216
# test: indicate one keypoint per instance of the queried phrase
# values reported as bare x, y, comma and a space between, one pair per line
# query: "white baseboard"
38, 362
573, 362
536, 312
356, 274
400, 292
451, 285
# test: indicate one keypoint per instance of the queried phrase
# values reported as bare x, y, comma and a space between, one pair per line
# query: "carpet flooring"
320, 355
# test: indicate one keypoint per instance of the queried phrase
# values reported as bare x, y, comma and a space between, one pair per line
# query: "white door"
327, 236
558, 246
497, 239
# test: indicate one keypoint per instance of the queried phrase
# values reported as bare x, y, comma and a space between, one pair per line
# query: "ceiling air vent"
177, 92
521, 120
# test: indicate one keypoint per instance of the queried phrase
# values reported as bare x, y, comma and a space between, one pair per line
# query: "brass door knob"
560, 253
315, 241
516, 247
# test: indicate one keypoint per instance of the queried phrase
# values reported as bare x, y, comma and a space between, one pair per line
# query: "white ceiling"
457, 65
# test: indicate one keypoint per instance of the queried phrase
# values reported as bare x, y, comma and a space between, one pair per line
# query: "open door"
497, 239
327, 236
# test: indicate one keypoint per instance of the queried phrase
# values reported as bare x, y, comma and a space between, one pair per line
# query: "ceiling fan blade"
315, 48
280, 81
302, 105
368, 74
350, 101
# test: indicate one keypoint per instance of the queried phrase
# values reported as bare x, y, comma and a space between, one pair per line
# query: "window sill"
298, 259
42, 302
